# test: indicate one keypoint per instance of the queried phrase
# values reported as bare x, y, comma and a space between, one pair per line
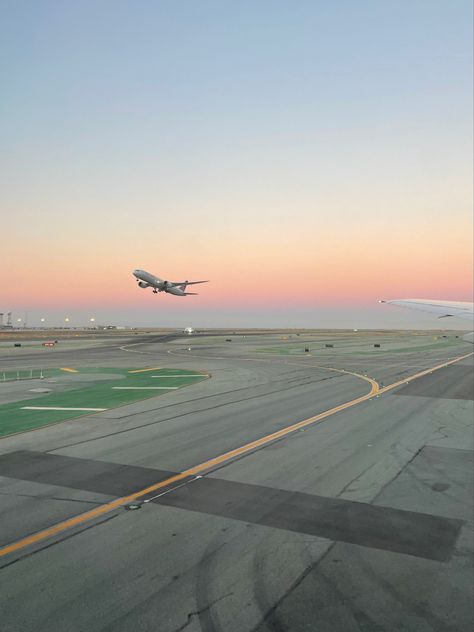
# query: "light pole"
92, 321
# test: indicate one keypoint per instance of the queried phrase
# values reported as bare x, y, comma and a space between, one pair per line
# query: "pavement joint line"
375, 386
60, 408
39, 536
124, 348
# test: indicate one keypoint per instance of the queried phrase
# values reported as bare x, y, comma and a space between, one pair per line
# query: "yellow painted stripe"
156, 368
422, 374
35, 538
69, 370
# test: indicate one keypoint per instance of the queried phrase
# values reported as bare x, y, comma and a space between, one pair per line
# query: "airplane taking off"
178, 288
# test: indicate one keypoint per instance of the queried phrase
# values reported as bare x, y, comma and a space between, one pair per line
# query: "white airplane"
444, 309
178, 288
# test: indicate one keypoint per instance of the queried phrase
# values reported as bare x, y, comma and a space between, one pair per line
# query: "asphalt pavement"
359, 518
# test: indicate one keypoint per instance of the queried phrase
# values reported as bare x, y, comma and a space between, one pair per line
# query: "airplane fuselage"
146, 279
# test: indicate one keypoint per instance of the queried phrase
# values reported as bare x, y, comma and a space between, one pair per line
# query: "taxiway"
293, 490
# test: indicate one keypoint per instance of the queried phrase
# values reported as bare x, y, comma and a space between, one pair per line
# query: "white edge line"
172, 489
144, 388
59, 408
174, 376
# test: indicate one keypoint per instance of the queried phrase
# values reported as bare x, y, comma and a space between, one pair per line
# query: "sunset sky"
307, 157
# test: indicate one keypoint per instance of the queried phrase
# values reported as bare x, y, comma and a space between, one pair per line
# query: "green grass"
14, 419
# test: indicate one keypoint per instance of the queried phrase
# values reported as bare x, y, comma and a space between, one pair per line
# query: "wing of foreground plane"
444, 309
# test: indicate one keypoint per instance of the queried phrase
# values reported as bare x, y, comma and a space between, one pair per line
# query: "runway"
218, 517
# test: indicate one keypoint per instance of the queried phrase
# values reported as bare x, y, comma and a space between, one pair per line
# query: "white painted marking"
144, 388
58, 408
172, 489
183, 375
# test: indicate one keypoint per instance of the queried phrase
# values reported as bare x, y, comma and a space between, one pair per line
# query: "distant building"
6, 320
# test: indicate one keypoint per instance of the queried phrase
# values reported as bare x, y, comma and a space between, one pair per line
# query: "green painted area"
439, 344
366, 349
90, 394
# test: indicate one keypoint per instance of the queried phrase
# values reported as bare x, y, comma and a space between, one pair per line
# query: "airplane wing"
188, 282
444, 309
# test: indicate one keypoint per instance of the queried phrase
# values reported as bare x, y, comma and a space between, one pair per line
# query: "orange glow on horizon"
260, 267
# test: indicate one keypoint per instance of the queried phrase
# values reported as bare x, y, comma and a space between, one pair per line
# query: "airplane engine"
143, 284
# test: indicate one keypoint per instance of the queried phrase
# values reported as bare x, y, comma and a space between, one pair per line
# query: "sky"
308, 158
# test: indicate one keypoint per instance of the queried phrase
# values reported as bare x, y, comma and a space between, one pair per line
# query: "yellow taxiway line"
69, 370
156, 368
35, 538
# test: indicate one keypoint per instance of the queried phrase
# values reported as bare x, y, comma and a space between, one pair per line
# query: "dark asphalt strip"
412, 533
112, 479
461, 385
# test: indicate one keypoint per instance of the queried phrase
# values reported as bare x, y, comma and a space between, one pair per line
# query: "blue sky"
191, 136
